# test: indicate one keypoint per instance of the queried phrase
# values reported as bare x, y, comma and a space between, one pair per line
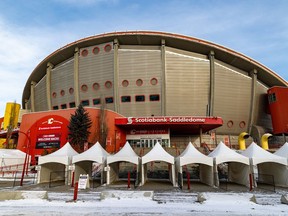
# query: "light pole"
26, 156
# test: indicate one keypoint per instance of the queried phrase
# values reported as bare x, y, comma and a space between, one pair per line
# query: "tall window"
72, 104
109, 100
140, 98
85, 103
155, 97
126, 99
63, 106
96, 101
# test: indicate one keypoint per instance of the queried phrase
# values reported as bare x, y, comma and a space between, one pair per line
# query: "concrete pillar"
212, 83
32, 96
76, 76
163, 86
253, 74
116, 75
215, 173
48, 85
26, 104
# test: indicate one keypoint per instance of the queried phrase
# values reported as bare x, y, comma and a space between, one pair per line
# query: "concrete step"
174, 197
268, 199
82, 196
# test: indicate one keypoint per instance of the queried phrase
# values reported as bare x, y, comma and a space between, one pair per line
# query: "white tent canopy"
283, 151
224, 154
63, 155
157, 153
268, 165
192, 156
96, 153
126, 154
56, 162
238, 165
259, 155
91, 162
10, 157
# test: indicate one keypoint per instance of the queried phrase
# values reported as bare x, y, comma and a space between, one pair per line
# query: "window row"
140, 98
96, 50
109, 100
108, 85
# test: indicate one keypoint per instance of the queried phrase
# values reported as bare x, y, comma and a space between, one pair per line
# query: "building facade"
144, 74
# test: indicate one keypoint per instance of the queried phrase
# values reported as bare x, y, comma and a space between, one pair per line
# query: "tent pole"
200, 135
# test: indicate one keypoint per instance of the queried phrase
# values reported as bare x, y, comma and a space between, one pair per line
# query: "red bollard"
188, 180
251, 182
72, 183
128, 179
75, 191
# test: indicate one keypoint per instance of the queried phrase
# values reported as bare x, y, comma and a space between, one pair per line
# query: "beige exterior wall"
61, 81
135, 64
232, 98
40, 95
96, 67
187, 83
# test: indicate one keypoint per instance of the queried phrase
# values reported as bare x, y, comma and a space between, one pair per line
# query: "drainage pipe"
264, 140
241, 140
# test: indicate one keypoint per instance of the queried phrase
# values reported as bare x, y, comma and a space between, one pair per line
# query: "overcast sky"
30, 30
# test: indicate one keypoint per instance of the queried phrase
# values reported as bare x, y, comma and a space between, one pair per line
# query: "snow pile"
214, 204
126, 194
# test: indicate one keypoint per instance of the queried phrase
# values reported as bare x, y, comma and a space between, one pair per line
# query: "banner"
45, 141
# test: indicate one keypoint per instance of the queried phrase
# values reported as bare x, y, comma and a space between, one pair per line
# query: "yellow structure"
11, 115
264, 141
2, 141
241, 140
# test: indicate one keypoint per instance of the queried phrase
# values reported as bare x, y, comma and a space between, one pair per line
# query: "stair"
174, 197
268, 199
82, 196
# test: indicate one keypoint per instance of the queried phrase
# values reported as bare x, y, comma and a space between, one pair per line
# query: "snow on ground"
226, 203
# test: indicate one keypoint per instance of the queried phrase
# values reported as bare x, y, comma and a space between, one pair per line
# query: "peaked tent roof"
96, 153
283, 151
125, 154
157, 153
192, 155
259, 155
63, 155
224, 154
11, 153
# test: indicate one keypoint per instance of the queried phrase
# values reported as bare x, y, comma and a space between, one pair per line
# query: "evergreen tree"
78, 127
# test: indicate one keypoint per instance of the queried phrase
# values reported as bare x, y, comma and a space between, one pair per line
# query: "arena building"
155, 86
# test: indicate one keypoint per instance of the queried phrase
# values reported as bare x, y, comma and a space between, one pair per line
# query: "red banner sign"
161, 120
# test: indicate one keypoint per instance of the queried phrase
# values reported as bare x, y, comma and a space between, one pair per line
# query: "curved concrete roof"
191, 44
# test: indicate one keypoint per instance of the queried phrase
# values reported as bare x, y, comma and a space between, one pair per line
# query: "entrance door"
149, 143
